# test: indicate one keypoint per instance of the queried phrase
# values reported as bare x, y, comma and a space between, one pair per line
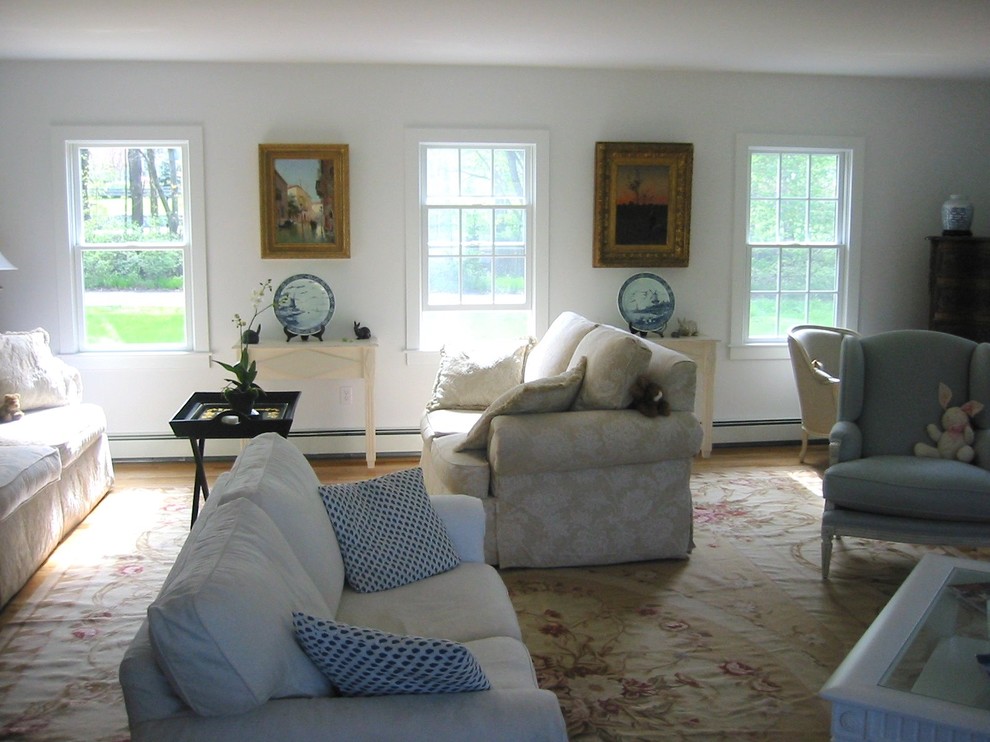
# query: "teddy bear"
648, 398
11, 408
955, 439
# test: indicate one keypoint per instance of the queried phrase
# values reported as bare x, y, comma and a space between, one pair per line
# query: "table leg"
370, 441
200, 484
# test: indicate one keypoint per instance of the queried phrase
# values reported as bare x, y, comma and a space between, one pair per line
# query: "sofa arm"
677, 375
464, 517
845, 442
588, 439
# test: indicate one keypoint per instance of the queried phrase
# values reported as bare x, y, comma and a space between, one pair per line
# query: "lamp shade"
6, 265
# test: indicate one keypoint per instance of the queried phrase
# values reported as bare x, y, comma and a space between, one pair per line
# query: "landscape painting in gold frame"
642, 204
304, 201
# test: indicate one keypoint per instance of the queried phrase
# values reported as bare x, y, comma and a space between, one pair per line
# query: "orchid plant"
245, 371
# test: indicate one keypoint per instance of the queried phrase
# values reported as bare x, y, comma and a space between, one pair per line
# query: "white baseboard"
350, 443
345, 444
756, 432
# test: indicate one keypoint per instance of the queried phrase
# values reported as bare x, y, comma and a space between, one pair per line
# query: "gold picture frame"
305, 208
642, 204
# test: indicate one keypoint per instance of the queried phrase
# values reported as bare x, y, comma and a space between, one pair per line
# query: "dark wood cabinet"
959, 286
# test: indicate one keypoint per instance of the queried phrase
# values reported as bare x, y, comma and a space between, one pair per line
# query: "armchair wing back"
814, 352
875, 487
890, 386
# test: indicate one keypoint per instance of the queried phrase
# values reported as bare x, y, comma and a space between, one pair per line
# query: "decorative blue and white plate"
304, 305
646, 302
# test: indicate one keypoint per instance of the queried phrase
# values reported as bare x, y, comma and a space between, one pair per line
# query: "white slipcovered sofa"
218, 658
55, 463
543, 436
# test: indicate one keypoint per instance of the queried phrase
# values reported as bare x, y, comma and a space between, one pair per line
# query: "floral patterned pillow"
615, 360
472, 379
553, 394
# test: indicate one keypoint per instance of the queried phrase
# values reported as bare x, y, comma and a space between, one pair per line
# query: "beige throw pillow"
553, 394
551, 355
472, 379
615, 360
28, 368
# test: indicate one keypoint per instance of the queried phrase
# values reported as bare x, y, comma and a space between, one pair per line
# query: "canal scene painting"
304, 201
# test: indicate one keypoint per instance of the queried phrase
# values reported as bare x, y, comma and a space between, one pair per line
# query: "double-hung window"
797, 247
477, 236
134, 260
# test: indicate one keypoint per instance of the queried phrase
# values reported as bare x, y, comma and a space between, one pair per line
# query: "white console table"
702, 351
327, 359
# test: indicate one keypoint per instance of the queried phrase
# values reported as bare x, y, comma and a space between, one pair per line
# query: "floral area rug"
731, 644
63, 636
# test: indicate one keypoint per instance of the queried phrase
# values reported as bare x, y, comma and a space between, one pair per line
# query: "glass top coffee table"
915, 674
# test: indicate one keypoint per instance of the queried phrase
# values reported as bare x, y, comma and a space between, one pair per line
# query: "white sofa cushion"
28, 368
25, 471
424, 608
437, 423
552, 354
472, 379
368, 662
615, 360
274, 475
221, 630
549, 394
388, 531
69, 429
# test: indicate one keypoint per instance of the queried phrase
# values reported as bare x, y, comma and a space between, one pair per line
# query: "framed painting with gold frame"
304, 201
642, 204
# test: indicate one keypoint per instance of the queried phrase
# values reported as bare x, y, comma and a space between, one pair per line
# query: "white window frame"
740, 347
538, 142
69, 260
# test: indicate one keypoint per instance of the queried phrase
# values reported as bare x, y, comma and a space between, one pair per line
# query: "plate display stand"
303, 305
646, 303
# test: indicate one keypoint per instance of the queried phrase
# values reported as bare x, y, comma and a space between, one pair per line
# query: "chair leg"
804, 445
827, 535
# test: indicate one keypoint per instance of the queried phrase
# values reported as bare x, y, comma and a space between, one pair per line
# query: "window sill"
138, 360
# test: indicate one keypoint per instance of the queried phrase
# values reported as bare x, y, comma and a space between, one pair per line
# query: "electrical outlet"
346, 395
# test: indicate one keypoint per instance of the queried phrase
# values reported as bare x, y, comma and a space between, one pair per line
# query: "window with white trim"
797, 240
477, 236
134, 262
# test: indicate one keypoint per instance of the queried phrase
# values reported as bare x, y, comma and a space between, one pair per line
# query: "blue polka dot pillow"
368, 662
388, 531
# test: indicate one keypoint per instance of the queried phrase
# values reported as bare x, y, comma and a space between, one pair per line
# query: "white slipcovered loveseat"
55, 463
543, 436
218, 657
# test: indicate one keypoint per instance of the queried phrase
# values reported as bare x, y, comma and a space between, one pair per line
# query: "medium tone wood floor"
180, 473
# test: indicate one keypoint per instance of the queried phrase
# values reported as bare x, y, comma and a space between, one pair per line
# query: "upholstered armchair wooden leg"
804, 445
827, 535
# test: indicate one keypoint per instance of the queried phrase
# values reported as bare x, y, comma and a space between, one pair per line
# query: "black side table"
207, 415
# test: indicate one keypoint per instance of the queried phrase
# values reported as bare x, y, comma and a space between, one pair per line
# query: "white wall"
924, 140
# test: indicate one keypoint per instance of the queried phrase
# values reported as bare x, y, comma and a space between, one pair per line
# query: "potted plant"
241, 391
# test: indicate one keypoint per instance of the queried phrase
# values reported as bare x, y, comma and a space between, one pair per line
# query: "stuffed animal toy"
955, 439
11, 408
648, 398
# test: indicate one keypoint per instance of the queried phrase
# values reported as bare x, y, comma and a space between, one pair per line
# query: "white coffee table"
913, 675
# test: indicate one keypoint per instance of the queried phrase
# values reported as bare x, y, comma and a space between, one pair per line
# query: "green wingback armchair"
875, 487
